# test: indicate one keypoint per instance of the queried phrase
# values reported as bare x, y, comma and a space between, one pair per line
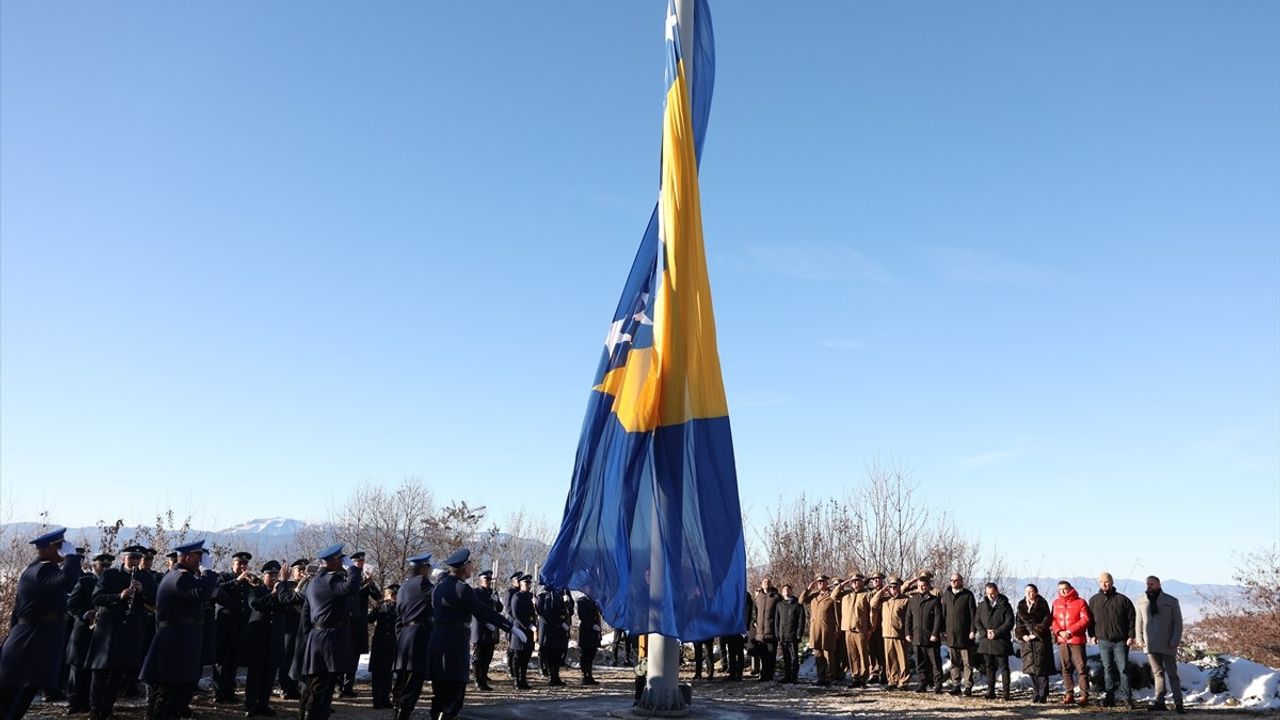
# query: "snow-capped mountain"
270, 527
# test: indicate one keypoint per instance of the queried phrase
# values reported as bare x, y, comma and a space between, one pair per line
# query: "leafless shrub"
1248, 623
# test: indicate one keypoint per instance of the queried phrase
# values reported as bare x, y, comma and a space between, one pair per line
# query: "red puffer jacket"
1070, 613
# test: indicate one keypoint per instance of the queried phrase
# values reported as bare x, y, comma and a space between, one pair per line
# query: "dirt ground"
714, 700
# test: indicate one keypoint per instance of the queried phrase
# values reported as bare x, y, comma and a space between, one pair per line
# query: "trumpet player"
82, 611
359, 624
231, 622
264, 643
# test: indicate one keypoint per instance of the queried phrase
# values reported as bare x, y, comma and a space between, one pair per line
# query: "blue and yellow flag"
652, 527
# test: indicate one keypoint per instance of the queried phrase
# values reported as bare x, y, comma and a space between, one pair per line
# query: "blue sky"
254, 254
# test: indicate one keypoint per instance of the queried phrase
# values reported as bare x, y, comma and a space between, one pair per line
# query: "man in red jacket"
1070, 630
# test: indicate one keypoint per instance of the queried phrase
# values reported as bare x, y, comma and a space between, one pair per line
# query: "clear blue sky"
256, 253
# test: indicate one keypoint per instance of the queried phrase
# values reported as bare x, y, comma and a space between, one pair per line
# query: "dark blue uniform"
484, 637
554, 616
413, 634
264, 643
521, 614
231, 623
80, 609
292, 617
359, 632
32, 654
173, 663
116, 650
382, 652
589, 629
327, 652
454, 604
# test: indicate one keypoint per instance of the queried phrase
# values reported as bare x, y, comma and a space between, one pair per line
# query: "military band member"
359, 625
231, 621
590, 626
520, 613
484, 636
264, 638
513, 587
292, 616
327, 650
382, 648
413, 633
173, 662
32, 654
116, 650
82, 611
454, 607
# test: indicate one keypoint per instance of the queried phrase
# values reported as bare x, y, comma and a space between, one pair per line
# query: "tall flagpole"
662, 696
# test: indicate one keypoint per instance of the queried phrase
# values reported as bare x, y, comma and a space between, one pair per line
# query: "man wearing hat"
484, 636
413, 634
327, 653
264, 639
513, 587
855, 622
31, 657
173, 663
590, 625
824, 628
116, 650
83, 613
231, 622
553, 632
292, 617
359, 625
891, 603
454, 605
875, 643
521, 616
382, 648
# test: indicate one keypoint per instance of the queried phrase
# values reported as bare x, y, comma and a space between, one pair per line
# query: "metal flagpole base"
662, 696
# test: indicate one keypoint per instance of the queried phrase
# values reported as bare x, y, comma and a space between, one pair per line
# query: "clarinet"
132, 573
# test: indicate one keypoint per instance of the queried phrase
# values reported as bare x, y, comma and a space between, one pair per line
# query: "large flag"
652, 527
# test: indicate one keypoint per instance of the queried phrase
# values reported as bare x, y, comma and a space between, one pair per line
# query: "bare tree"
1246, 623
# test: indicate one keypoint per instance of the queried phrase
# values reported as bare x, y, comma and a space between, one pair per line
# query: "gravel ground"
714, 700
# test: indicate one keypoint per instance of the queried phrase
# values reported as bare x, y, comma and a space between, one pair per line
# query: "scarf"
1152, 597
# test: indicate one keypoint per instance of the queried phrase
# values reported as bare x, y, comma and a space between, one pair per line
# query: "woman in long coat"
1032, 628
993, 623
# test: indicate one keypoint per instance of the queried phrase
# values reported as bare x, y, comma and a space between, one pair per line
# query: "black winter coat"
554, 620
181, 602
413, 625
765, 628
924, 619
789, 619
454, 604
1037, 654
382, 648
79, 605
119, 630
232, 618
521, 612
999, 618
1111, 617
32, 654
483, 633
958, 610
264, 639
590, 624
360, 617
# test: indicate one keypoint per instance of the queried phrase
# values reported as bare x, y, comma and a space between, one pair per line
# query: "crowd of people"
91, 637
880, 630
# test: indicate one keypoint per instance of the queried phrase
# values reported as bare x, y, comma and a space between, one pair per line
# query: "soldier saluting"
31, 657
327, 652
454, 604
173, 663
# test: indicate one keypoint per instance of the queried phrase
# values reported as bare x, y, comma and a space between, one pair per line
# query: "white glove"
565, 626
596, 628
518, 634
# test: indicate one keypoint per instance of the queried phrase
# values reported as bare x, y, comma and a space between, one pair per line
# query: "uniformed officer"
31, 657
292, 623
359, 625
151, 579
454, 605
382, 648
264, 639
231, 621
327, 651
116, 650
413, 634
513, 587
589, 631
83, 613
173, 662
554, 617
520, 613
484, 636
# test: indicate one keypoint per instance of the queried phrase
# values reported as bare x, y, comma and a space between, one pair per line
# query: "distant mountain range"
272, 537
